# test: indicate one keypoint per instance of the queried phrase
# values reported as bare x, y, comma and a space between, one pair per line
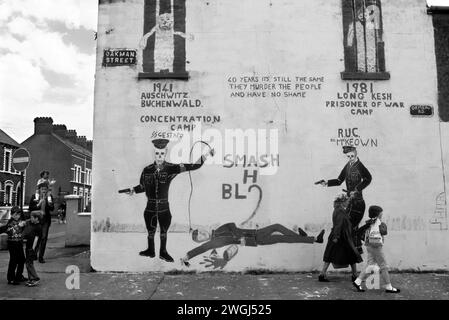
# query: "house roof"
6, 139
73, 146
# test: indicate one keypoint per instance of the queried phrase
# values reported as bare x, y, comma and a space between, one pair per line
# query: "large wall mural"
218, 123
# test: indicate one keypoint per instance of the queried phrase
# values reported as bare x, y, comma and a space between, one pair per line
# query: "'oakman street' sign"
119, 57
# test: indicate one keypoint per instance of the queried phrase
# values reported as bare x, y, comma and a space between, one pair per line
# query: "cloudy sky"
47, 63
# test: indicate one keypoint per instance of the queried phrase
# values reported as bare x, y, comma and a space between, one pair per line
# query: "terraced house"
10, 188
66, 155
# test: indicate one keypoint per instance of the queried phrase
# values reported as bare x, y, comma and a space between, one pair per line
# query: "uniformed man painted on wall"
357, 178
155, 182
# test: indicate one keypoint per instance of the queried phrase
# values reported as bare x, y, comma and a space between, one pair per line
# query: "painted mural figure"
357, 178
340, 249
229, 234
155, 182
164, 45
364, 34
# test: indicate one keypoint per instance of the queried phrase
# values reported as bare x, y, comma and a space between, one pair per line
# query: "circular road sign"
21, 159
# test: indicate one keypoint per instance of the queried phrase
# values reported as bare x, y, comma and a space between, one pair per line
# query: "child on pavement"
375, 230
14, 229
32, 233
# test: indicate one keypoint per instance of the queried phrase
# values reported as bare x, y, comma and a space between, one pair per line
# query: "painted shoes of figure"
302, 233
320, 237
165, 256
393, 290
147, 253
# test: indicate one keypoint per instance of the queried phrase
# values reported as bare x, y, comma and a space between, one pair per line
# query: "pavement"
197, 286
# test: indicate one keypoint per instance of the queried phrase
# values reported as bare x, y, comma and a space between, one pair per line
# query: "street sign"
419, 110
21, 159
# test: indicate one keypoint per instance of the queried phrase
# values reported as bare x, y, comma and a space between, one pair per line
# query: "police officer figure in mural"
155, 182
357, 178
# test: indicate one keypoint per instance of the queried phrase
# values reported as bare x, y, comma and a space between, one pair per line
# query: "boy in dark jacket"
14, 229
32, 234
43, 201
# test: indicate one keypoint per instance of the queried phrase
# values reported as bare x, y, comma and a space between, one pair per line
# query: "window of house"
7, 160
163, 43
88, 176
77, 173
75, 190
8, 193
18, 192
364, 48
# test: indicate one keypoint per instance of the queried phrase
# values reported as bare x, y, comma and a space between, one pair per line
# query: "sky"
47, 64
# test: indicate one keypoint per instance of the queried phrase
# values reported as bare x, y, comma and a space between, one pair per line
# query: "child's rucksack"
373, 237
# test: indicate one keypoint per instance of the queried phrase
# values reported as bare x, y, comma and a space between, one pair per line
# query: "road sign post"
20, 162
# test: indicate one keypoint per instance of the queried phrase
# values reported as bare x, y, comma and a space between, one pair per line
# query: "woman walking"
340, 249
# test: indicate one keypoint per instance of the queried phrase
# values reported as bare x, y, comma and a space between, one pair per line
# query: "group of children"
20, 230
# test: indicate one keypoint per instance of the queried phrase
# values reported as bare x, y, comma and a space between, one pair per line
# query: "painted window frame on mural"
364, 48
163, 44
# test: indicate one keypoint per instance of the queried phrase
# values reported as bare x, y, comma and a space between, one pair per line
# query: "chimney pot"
71, 136
82, 141
60, 130
43, 125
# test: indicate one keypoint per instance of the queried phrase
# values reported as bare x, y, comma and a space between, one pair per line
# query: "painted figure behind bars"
164, 44
364, 34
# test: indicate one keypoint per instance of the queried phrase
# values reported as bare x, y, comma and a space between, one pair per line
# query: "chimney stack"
43, 125
60, 130
82, 141
71, 136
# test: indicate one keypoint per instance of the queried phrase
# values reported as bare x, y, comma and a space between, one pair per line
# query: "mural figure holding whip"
155, 182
